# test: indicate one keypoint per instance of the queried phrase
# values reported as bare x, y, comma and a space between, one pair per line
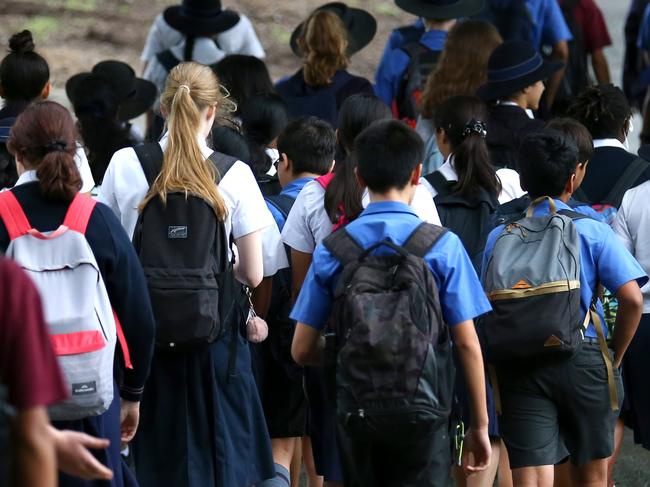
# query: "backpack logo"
553, 341
521, 284
177, 232
84, 388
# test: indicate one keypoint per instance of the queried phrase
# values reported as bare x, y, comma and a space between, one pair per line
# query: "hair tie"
475, 127
184, 86
56, 146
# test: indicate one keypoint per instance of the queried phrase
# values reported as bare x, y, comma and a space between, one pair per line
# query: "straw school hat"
441, 9
361, 27
513, 66
135, 95
200, 17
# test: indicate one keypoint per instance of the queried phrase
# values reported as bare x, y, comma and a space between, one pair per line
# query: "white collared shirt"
125, 187
509, 103
609, 143
632, 225
510, 184
308, 224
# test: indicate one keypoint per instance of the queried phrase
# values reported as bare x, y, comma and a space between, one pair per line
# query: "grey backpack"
82, 326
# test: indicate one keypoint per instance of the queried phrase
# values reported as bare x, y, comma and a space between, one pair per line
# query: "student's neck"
564, 197
397, 195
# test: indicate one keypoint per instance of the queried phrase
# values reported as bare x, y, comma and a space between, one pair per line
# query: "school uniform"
507, 125
197, 426
129, 297
395, 62
606, 166
323, 101
632, 225
553, 409
461, 297
510, 185
433, 158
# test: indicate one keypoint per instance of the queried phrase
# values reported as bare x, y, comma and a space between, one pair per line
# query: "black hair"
547, 159
356, 113
23, 72
386, 154
229, 141
604, 110
243, 76
576, 132
310, 144
95, 105
463, 120
263, 118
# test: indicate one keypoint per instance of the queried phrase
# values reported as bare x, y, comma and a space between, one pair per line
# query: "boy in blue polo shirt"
389, 156
561, 407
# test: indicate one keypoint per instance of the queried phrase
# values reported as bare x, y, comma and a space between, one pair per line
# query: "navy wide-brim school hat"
200, 17
513, 66
441, 9
360, 25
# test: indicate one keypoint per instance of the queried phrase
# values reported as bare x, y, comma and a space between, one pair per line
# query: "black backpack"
472, 219
422, 61
388, 344
6, 447
8, 172
511, 18
183, 250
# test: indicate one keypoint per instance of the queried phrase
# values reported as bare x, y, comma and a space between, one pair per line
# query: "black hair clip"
56, 145
475, 127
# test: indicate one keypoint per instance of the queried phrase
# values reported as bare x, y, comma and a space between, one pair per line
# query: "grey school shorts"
556, 409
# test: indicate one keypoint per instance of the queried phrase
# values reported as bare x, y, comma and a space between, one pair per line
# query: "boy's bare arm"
630, 308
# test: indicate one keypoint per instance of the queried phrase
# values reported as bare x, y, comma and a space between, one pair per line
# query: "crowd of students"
280, 279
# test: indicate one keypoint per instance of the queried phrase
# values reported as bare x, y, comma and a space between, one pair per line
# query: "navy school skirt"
197, 427
636, 364
106, 425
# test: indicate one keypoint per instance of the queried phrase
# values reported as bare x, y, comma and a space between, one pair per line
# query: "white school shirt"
308, 224
510, 185
125, 186
632, 225
80, 159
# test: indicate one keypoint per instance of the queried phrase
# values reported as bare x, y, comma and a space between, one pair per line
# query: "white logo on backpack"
75, 303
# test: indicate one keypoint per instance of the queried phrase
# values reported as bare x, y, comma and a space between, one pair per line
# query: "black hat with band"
513, 66
441, 9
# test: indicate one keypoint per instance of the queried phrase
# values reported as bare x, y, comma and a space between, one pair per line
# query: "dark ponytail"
344, 195
44, 139
461, 117
23, 72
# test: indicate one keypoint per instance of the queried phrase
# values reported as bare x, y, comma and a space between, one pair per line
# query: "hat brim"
199, 26
360, 34
141, 101
494, 90
462, 8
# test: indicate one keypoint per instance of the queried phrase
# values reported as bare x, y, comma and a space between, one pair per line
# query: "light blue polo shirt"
461, 295
395, 62
603, 259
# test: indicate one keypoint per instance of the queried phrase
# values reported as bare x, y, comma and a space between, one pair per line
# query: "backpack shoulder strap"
151, 158
13, 216
343, 247
423, 238
282, 202
580, 195
78, 214
439, 182
222, 162
167, 59
625, 182
574, 215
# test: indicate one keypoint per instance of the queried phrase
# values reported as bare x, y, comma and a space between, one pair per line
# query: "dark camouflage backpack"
388, 344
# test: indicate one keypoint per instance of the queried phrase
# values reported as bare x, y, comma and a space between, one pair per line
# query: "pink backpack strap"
13, 216
325, 179
79, 212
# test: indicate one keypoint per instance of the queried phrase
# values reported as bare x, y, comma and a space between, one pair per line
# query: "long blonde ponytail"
190, 89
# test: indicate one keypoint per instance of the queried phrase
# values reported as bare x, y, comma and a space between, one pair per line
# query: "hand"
74, 458
477, 451
129, 419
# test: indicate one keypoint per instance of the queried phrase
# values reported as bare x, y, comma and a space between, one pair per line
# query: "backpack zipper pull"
362, 413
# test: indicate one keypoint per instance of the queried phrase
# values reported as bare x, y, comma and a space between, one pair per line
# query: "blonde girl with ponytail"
202, 422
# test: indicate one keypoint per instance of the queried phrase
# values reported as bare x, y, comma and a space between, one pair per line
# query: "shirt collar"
448, 170
434, 39
609, 143
205, 150
510, 103
387, 207
543, 207
27, 177
296, 185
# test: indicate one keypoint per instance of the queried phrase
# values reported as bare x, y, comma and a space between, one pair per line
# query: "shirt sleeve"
616, 266
160, 37
424, 206
643, 40
28, 366
554, 27
273, 252
461, 295
296, 232
620, 225
594, 28
314, 303
247, 40
87, 181
250, 213
389, 75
